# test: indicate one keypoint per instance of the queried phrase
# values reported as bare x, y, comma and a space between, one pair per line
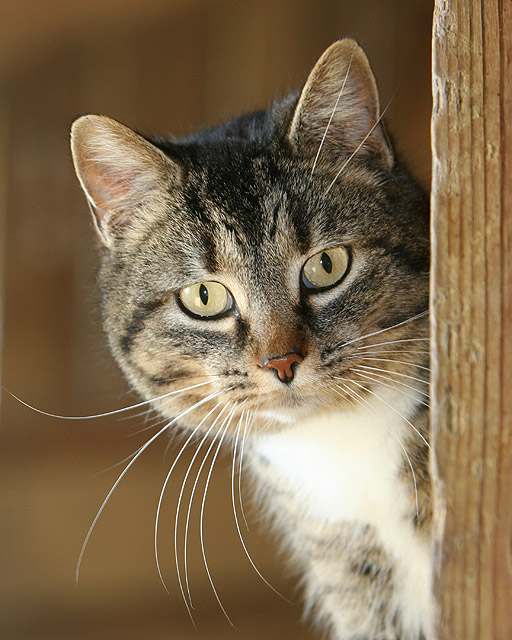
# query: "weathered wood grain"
472, 315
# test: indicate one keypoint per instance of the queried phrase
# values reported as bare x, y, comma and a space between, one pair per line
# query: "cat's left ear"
338, 109
126, 179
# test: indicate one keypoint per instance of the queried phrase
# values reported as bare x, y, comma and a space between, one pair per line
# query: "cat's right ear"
337, 115
125, 178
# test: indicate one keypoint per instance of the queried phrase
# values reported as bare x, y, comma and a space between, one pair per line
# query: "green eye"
326, 268
206, 299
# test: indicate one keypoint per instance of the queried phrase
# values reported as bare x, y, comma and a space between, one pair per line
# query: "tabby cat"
265, 283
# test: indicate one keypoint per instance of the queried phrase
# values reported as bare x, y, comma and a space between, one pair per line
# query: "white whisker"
394, 326
380, 344
388, 428
233, 466
379, 379
246, 433
237, 434
148, 428
332, 114
196, 453
409, 461
345, 395
146, 413
139, 452
176, 459
115, 411
235, 445
358, 147
201, 521
359, 396
121, 476
417, 352
227, 420
395, 373
412, 364
117, 464
399, 442
395, 410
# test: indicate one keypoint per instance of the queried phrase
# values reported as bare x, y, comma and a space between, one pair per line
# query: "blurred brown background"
159, 66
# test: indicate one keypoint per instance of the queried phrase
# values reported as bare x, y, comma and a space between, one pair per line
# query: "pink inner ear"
107, 188
106, 185
119, 171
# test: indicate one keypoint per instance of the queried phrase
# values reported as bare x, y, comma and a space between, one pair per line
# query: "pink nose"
283, 365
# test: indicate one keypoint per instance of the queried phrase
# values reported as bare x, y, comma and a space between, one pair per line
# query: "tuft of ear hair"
124, 176
338, 110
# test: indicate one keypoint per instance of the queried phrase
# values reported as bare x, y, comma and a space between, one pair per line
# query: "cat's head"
255, 263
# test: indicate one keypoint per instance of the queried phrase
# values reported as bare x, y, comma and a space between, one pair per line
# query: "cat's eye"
326, 268
207, 300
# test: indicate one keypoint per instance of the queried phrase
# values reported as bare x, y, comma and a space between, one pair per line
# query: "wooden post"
472, 315
3, 216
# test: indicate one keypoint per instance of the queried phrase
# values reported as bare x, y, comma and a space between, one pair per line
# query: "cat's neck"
333, 459
351, 468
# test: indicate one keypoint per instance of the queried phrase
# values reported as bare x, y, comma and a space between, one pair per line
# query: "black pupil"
326, 262
203, 294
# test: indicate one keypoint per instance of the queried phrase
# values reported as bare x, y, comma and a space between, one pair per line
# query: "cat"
275, 269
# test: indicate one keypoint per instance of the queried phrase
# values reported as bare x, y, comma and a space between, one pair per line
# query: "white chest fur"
345, 467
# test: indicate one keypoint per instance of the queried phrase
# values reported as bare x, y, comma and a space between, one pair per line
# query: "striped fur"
338, 455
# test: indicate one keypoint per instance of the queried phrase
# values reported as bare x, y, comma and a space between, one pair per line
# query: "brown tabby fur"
247, 204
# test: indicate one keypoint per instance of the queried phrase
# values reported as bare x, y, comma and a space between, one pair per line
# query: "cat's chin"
284, 410
280, 416
286, 415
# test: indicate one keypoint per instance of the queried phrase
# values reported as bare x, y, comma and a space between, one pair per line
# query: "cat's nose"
284, 365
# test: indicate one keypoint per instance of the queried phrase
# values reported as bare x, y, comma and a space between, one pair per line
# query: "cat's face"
247, 268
